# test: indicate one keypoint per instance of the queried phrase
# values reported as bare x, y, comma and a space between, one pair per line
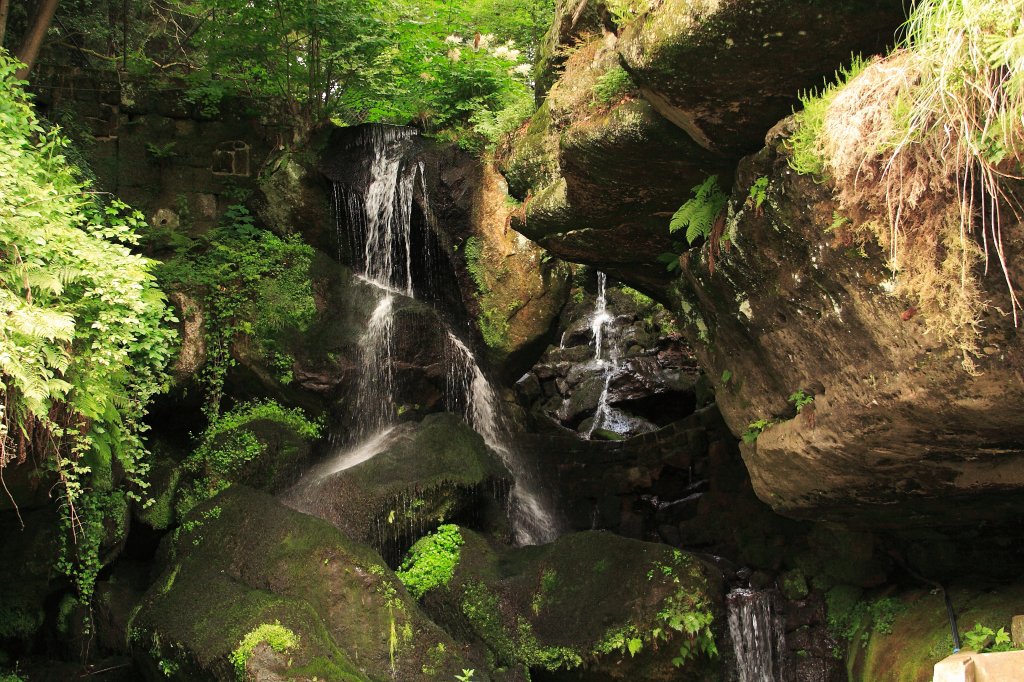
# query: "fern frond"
699, 213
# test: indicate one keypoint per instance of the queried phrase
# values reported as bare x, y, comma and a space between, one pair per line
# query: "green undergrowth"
611, 86
850, 616
255, 291
431, 561
806, 156
700, 218
87, 335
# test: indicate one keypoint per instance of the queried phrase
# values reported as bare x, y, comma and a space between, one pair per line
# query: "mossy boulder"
574, 20
591, 605
918, 634
726, 72
424, 474
508, 284
294, 197
242, 567
530, 159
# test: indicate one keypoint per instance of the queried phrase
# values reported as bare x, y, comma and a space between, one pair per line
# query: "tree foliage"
433, 63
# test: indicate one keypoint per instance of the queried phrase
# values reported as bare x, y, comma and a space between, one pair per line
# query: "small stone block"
956, 668
1017, 631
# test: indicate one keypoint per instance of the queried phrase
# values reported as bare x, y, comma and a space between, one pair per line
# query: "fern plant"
698, 215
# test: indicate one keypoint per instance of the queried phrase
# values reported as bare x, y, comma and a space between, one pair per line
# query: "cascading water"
598, 322
377, 212
532, 522
758, 635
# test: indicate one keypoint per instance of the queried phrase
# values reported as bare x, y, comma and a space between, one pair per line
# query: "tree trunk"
5, 6
34, 37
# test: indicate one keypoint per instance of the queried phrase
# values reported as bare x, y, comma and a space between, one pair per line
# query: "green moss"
640, 299
159, 512
275, 635
494, 327
474, 253
793, 584
431, 561
611, 86
237, 439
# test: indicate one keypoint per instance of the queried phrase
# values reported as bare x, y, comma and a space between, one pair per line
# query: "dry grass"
922, 147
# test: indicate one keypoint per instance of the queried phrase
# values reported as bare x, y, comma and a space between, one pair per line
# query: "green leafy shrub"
983, 639
494, 126
253, 284
800, 400
431, 561
87, 335
758, 192
755, 428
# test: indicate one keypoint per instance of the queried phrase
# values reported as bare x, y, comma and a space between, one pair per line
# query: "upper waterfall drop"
374, 214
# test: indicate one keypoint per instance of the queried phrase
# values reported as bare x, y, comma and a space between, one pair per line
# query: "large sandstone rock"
600, 178
574, 21
590, 606
919, 634
513, 290
895, 416
726, 70
243, 561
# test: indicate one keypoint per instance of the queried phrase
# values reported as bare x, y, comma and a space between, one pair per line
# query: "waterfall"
600, 317
531, 521
376, 385
378, 209
758, 635
598, 321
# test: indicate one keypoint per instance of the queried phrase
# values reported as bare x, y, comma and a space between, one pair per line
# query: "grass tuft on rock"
923, 147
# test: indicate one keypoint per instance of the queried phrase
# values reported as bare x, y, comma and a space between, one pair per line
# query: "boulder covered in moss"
511, 287
574, 20
903, 637
394, 489
590, 606
726, 72
252, 588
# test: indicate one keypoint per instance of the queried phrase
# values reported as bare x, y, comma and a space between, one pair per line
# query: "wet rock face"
893, 417
419, 476
645, 378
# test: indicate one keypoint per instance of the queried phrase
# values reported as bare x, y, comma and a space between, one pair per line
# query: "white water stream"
380, 218
598, 323
758, 635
